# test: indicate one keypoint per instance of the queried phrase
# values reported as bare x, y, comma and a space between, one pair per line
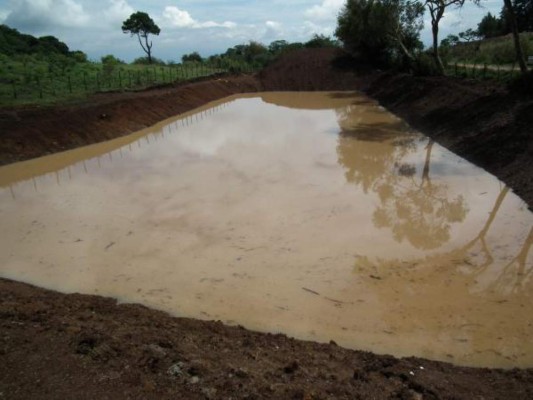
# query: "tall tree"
490, 26
510, 14
377, 29
140, 24
523, 12
436, 9
469, 35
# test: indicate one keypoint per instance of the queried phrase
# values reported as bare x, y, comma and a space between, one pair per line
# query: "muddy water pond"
319, 215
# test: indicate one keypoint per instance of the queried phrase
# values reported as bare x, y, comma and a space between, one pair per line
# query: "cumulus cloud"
327, 10
273, 30
175, 17
118, 11
36, 15
3, 15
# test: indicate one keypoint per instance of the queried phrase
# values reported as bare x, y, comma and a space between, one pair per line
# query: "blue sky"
207, 26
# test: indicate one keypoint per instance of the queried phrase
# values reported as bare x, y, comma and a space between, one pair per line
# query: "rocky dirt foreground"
58, 346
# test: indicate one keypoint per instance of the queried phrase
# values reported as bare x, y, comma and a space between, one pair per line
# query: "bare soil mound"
85, 347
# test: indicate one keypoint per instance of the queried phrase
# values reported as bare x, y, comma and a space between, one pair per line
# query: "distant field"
503, 73
42, 82
494, 51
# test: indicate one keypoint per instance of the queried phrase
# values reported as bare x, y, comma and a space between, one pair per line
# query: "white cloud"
273, 25
118, 11
274, 30
177, 18
450, 19
3, 15
43, 13
327, 10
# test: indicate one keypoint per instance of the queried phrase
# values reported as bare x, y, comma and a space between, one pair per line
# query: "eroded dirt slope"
29, 132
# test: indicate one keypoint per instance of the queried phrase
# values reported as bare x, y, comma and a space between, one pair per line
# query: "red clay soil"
58, 346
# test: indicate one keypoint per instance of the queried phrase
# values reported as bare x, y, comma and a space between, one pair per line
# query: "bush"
79, 56
111, 59
319, 41
145, 61
193, 57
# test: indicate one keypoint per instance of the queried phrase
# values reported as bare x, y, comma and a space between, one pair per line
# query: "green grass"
504, 73
495, 51
30, 80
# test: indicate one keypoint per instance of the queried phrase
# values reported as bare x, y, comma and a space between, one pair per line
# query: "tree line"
387, 32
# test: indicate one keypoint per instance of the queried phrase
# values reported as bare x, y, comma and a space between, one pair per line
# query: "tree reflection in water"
374, 155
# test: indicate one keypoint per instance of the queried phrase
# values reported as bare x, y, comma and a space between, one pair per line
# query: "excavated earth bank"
54, 345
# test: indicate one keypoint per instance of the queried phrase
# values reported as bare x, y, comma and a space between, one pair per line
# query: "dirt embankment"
29, 132
74, 347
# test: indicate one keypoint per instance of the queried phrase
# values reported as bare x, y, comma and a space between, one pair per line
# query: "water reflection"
74, 160
376, 156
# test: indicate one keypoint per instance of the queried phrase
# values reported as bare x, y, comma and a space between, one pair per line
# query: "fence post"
98, 81
456, 69
120, 79
69, 84
15, 95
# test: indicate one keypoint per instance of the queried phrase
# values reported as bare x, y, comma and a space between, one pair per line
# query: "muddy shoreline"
76, 346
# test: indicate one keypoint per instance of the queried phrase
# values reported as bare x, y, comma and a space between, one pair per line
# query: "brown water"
319, 215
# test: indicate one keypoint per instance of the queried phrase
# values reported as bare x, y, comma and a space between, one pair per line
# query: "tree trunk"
148, 49
516, 36
436, 55
407, 53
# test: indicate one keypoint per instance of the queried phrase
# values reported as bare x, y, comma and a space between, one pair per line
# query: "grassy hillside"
29, 79
496, 51
45, 70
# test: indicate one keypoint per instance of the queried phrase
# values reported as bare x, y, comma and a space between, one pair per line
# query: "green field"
27, 80
495, 51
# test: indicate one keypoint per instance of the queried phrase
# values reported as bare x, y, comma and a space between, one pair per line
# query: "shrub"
145, 61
